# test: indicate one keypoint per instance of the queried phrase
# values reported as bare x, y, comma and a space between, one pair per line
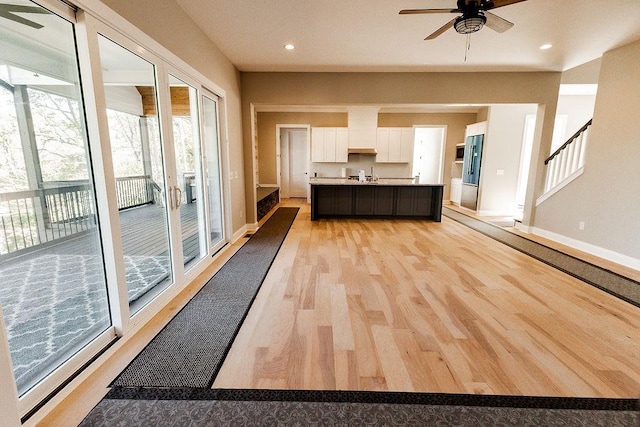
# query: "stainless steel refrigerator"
471, 171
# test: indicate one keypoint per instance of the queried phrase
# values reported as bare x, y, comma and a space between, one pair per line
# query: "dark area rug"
225, 407
190, 349
613, 283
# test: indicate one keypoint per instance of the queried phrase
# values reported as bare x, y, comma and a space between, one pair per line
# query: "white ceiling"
370, 35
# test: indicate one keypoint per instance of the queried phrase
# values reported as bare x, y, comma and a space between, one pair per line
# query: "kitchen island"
384, 198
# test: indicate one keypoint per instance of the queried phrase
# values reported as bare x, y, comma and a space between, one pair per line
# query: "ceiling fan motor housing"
470, 22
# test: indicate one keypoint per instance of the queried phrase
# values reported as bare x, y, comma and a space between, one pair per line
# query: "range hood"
358, 150
363, 124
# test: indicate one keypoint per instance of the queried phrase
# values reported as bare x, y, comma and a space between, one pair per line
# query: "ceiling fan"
475, 14
8, 11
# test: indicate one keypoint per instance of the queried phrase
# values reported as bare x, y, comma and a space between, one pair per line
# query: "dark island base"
376, 201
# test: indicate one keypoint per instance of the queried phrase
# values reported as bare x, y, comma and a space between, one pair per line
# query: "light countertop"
380, 181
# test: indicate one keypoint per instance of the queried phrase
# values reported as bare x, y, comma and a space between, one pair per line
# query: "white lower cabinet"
455, 195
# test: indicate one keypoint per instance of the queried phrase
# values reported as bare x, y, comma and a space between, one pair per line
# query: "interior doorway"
559, 132
293, 162
428, 154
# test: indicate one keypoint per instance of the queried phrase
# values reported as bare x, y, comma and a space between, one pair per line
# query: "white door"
429, 154
298, 178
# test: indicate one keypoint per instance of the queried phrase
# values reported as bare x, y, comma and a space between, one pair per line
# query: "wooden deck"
144, 233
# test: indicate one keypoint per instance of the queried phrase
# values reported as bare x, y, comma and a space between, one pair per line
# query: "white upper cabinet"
342, 145
382, 145
394, 145
329, 145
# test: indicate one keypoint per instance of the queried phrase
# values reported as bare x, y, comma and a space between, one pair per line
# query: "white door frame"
279, 127
443, 145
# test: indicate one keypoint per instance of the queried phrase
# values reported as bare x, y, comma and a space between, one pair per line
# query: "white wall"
501, 158
605, 197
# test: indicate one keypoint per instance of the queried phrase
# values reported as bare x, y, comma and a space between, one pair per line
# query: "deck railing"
133, 191
60, 209
34, 217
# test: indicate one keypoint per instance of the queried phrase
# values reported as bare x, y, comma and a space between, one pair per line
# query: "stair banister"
563, 146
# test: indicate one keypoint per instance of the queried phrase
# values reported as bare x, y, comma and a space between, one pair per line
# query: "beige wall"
606, 197
267, 136
586, 73
397, 88
169, 25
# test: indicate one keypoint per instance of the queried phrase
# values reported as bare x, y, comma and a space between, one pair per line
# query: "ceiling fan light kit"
469, 24
474, 15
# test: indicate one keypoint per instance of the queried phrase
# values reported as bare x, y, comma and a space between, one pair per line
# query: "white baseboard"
525, 228
243, 230
496, 213
598, 251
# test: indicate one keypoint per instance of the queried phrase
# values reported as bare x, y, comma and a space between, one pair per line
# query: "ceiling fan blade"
421, 11
441, 30
8, 11
496, 23
501, 3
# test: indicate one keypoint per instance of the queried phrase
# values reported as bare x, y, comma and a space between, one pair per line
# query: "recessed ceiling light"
546, 46
289, 46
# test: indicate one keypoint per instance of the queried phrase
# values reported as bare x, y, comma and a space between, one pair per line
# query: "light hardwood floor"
434, 307
410, 306
595, 260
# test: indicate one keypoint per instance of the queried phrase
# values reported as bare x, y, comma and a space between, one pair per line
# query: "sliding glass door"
52, 276
188, 161
137, 156
213, 170
104, 203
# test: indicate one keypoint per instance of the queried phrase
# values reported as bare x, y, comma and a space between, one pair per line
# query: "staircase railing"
568, 159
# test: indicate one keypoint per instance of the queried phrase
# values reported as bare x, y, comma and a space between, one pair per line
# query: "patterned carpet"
225, 407
54, 304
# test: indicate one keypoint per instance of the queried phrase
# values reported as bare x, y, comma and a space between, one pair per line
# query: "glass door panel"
130, 92
186, 140
211, 141
52, 282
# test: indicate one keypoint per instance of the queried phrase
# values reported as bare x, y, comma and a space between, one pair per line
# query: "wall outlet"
581, 225
500, 172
